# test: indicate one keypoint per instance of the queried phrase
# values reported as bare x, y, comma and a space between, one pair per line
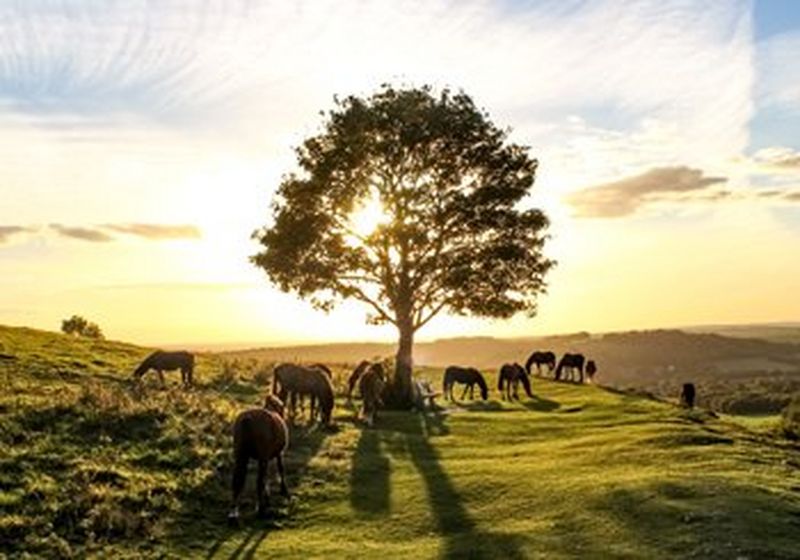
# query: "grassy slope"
88, 464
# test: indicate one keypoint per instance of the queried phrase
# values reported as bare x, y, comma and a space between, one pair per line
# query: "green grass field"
92, 465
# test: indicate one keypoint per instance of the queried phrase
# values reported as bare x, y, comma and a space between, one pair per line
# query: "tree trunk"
404, 365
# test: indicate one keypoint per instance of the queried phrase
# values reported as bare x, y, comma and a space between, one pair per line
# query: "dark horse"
260, 434
167, 361
541, 358
688, 395
293, 381
591, 369
511, 375
570, 364
466, 376
354, 377
371, 385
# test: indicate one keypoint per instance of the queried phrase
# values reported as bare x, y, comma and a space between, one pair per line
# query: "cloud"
82, 233
778, 157
6, 232
626, 196
793, 196
157, 231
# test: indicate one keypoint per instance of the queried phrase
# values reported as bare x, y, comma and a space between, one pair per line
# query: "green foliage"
79, 326
452, 236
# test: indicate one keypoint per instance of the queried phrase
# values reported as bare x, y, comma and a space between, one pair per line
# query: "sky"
141, 143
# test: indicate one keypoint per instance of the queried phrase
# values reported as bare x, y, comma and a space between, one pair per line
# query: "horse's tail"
501, 379
275, 372
445, 381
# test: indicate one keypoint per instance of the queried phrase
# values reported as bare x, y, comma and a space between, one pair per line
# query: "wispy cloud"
778, 158
626, 196
6, 232
84, 234
157, 231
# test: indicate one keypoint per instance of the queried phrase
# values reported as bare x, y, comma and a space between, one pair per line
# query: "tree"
449, 235
78, 326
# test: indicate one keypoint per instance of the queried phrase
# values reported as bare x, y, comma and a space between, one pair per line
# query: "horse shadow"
480, 406
540, 404
412, 434
213, 493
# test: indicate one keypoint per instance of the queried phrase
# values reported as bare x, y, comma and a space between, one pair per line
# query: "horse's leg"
261, 489
313, 409
464, 394
239, 475
284, 488
161, 377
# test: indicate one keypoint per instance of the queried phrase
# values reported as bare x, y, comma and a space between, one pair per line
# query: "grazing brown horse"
570, 364
370, 385
354, 377
301, 399
591, 370
260, 434
511, 375
167, 361
468, 377
293, 381
538, 359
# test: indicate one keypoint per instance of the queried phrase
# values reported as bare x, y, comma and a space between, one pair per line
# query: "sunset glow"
137, 164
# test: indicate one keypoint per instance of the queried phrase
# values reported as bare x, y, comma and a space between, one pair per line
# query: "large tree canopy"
450, 236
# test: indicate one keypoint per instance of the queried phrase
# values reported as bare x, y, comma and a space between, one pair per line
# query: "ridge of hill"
93, 465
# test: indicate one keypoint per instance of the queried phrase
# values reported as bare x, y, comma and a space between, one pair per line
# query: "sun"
366, 218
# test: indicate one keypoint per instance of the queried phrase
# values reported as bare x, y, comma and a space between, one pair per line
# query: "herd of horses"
262, 434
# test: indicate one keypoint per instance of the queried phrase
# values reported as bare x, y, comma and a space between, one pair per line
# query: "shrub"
77, 325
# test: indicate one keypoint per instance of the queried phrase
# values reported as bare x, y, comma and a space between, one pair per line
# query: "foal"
260, 434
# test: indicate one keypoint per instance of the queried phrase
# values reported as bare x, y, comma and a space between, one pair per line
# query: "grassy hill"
91, 465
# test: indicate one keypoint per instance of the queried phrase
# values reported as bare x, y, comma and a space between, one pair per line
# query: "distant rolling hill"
735, 374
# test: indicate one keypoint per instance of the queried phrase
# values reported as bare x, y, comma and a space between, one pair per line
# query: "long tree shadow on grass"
203, 511
413, 433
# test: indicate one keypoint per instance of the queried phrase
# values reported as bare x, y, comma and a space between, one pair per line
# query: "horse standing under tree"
162, 361
259, 434
510, 377
570, 365
371, 385
292, 381
539, 359
466, 376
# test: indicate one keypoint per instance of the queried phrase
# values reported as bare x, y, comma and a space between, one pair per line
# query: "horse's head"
481, 383
274, 404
